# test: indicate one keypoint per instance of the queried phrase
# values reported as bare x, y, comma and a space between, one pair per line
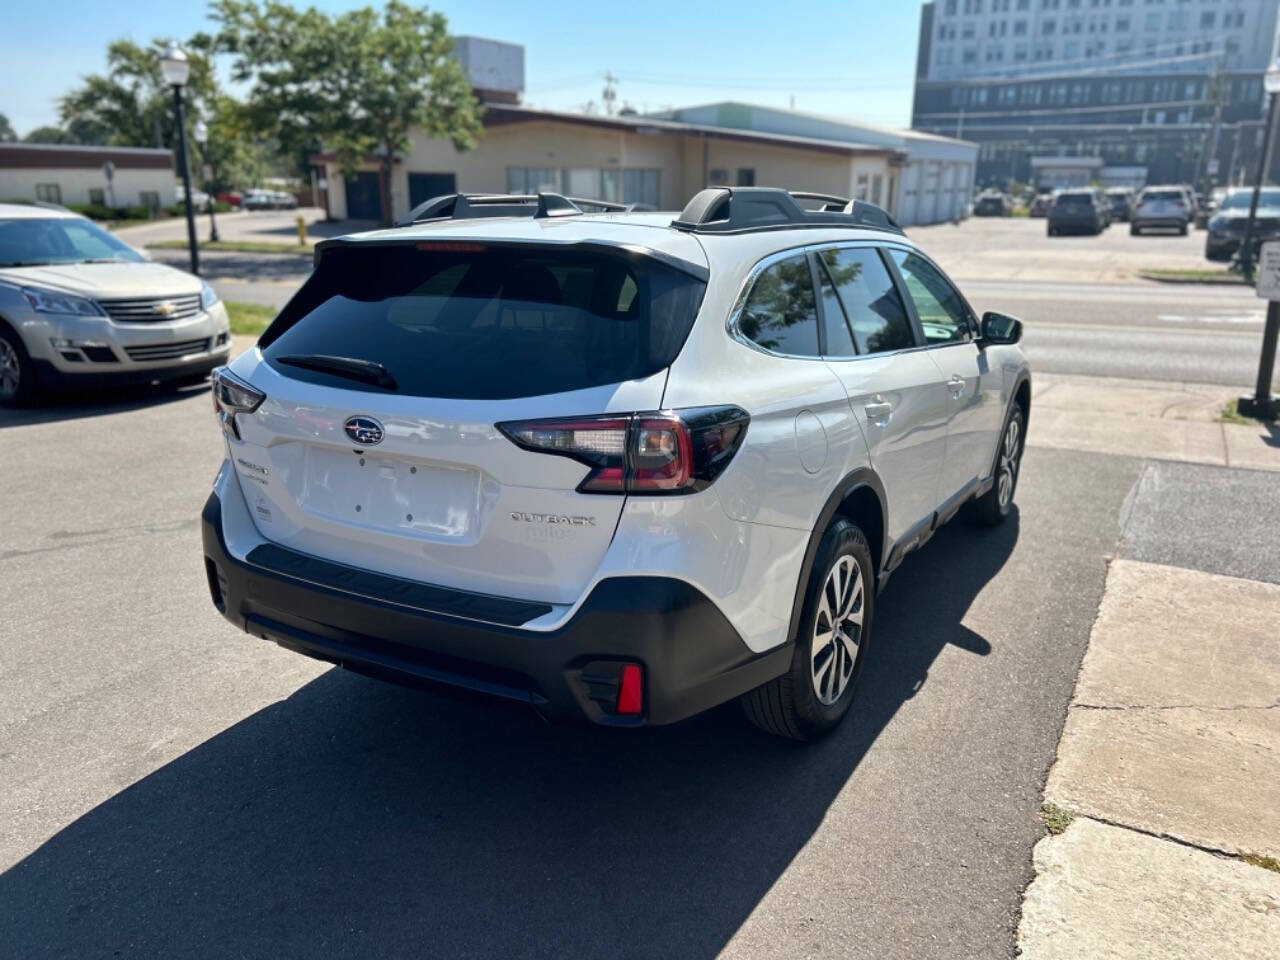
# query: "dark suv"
1226, 226
1077, 211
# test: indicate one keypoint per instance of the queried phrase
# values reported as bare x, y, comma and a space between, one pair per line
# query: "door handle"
956, 386
879, 411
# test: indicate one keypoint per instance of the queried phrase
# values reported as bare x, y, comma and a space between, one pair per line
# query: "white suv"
79, 306
612, 465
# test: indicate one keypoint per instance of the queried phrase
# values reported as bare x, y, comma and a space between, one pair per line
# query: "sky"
854, 58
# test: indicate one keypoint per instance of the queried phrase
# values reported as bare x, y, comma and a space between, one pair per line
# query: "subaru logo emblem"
365, 431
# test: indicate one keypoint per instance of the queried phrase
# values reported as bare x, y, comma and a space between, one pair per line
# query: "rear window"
1164, 195
1075, 198
487, 323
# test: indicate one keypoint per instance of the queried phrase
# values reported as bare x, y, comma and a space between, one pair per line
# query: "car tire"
994, 505
18, 383
1182, 230
1133, 230
1052, 232
813, 696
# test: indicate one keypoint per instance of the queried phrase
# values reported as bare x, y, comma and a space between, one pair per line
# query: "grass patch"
1263, 861
1206, 275
236, 246
249, 318
1229, 414
1055, 818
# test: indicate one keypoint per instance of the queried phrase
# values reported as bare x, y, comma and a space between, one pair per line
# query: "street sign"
109, 170
206, 171
1269, 271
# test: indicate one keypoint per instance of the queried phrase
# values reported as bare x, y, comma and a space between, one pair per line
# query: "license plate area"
386, 493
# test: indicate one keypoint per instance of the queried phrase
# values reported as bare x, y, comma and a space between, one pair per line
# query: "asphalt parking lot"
174, 787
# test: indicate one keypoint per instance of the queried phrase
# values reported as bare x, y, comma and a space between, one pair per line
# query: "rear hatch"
1073, 206
1163, 205
391, 460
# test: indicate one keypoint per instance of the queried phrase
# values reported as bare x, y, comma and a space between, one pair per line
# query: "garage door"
425, 186
363, 197
929, 199
910, 195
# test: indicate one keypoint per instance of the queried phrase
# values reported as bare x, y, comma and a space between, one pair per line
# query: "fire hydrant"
302, 231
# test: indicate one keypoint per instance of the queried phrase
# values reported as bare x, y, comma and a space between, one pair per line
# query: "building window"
863, 187
717, 177
642, 186
877, 185
531, 180
48, 193
97, 197
746, 176
1207, 20
149, 199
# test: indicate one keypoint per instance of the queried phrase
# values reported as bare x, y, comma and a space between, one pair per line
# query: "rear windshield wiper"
367, 370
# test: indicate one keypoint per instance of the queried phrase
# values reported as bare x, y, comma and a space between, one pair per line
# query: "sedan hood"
107, 280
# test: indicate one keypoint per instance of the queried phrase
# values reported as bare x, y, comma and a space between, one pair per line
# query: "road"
175, 787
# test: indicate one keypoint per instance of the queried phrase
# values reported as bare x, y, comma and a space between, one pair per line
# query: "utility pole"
610, 93
1209, 147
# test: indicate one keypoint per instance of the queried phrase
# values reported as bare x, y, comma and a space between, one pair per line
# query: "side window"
839, 342
871, 302
780, 314
943, 315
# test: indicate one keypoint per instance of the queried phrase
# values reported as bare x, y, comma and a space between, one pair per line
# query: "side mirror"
1000, 328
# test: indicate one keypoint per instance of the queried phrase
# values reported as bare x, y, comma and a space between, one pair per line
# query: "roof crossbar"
474, 206
749, 209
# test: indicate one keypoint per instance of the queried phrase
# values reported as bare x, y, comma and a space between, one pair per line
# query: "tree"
131, 105
355, 83
7, 134
49, 135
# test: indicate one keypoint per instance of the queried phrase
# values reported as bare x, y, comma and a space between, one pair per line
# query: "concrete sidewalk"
1148, 418
1168, 764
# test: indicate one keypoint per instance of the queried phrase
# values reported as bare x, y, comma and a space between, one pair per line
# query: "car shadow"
290, 266
360, 819
78, 403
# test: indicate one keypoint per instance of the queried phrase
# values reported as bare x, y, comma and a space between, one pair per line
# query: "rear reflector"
662, 452
630, 691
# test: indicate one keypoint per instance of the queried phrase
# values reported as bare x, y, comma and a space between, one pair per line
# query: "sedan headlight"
51, 301
208, 296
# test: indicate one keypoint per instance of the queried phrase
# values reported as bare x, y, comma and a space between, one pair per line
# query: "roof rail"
748, 209
474, 206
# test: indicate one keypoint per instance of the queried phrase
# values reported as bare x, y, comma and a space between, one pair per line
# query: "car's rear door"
409, 474
973, 391
893, 386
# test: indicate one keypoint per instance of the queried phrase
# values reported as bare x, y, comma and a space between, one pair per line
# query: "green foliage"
248, 318
98, 211
7, 134
354, 83
1056, 819
49, 135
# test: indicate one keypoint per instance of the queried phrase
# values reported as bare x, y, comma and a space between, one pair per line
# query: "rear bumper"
1159, 223
691, 656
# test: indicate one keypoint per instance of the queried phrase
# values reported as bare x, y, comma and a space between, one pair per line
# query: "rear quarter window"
487, 322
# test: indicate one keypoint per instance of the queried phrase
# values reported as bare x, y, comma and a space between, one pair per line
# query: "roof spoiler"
475, 206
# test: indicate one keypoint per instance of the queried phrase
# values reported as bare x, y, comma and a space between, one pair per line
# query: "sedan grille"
152, 309
167, 351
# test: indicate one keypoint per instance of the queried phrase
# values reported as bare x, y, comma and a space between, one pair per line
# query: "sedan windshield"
1240, 199
38, 241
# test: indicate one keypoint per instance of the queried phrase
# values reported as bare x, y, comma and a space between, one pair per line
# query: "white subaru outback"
613, 465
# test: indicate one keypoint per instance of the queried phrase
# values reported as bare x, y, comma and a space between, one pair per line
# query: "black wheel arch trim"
861, 477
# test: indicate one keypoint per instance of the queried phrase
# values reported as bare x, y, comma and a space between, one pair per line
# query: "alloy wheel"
837, 629
10, 371
1009, 460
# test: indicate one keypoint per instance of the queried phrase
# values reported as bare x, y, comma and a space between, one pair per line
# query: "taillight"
231, 395
660, 452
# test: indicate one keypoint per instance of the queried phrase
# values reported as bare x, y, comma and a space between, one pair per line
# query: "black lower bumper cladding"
408, 632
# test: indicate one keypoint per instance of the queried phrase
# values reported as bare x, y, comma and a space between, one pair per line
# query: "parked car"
622, 467
1227, 226
80, 307
199, 199
992, 203
1040, 205
269, 200
1121, 200
1077, 211
1161, 208
232, 198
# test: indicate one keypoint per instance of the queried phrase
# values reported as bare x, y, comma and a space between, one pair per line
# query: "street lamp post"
1271, 81
202, 137
176, 67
